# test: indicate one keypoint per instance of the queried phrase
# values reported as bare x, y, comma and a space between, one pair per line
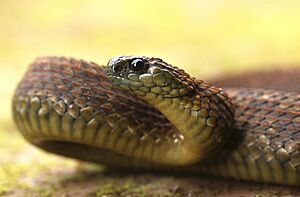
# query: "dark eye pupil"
137, 65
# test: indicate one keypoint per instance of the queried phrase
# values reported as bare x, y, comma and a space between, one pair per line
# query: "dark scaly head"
149, 77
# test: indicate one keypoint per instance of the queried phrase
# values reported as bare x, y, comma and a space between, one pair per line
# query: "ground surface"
26, 171
204, 37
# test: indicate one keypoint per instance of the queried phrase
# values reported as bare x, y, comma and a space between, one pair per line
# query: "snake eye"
137, 65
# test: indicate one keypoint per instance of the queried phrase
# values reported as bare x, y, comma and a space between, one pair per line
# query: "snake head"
146, 76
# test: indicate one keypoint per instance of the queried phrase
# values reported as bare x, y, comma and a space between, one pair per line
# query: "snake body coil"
140, 112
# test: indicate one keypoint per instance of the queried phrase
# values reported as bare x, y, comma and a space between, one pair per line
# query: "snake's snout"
124, 65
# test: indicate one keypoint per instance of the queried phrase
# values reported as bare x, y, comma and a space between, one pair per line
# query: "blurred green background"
204, 37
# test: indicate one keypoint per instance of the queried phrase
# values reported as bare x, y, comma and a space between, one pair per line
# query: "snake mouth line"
138, 85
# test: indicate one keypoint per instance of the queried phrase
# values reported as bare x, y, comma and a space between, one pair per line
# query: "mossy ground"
204, 37
26, 171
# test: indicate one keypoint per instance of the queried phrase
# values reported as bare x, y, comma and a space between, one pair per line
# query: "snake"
140, 112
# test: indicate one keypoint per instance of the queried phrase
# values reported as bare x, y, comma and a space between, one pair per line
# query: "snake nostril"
118, 67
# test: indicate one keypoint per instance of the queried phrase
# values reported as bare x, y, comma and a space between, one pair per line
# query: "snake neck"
201, 118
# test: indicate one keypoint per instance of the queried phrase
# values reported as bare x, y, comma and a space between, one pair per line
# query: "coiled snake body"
140, 112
